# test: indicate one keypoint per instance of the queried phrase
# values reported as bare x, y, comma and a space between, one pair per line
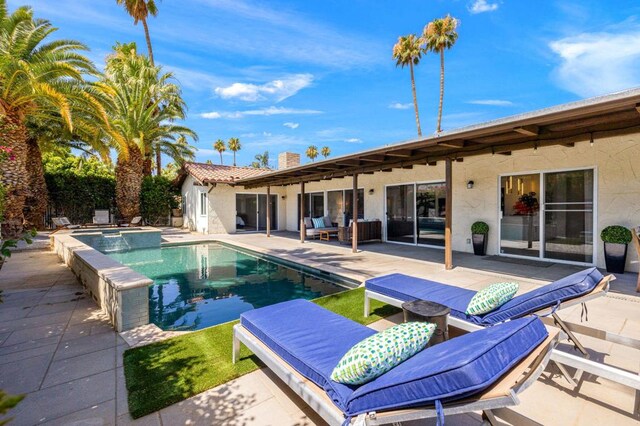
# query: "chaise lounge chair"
63, 223
483, 371
578, 288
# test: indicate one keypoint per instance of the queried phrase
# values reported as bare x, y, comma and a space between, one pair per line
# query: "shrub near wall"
157, 198
78, 186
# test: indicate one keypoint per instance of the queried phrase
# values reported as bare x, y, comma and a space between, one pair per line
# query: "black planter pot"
615, 257
479, 244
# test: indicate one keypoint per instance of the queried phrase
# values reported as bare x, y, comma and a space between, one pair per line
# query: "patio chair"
101, 217
544, 302
63, 222
302, 342
635, 232
137, 220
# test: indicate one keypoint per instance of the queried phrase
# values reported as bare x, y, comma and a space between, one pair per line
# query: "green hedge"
76, 196
157, 198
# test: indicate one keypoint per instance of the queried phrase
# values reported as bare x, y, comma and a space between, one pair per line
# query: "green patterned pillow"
379, 353
491, 297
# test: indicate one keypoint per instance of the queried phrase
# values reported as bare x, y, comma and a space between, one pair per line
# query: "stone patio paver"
72, 358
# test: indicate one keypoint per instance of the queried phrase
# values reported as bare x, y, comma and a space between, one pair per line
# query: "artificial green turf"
170, 371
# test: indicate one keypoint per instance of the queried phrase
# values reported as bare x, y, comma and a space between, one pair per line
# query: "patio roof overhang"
566, 124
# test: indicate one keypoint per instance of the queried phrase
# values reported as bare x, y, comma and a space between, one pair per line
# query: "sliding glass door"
251, 212
401, 210
548, 215
431, 202
335, 206
520, 222
568, 216
416, 212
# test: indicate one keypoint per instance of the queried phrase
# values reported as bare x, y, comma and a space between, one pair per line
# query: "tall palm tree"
325, 151
220, 147
438, 35
146, 104
140, 10
407, 51
312, 152
38, 78
234, 146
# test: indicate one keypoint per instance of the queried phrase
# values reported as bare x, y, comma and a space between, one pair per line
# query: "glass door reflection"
431, 202
520, 219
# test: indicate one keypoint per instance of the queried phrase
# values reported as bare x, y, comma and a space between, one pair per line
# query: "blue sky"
282, 75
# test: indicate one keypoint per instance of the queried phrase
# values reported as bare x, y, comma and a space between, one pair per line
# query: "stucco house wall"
616, 161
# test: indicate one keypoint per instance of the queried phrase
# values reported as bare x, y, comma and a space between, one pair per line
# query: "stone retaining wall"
121, 293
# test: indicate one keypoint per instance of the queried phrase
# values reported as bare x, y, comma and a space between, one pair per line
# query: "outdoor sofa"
313, 231
483, 371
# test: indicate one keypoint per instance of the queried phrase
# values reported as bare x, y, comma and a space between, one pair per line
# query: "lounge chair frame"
550, 317
502, 394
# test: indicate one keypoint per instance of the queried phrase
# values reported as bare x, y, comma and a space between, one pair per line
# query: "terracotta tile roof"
216, 173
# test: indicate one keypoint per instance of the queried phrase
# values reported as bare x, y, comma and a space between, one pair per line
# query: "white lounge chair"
101, 217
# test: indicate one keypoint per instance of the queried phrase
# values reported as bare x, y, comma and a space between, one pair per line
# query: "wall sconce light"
470, 184
371, 191
284, 197
591, 139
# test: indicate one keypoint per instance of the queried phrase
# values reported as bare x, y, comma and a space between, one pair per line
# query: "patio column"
354, 233
448, 253
268, 211
303, 230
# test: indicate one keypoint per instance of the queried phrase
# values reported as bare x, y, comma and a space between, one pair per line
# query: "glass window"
401, 214
431, 202
246, 212
203, 204
348, 204
520, 207
568, 216
335, 206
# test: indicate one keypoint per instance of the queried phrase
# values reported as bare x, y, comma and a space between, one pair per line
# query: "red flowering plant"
527, 204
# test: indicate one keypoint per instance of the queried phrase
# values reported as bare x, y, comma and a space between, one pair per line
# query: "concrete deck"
57, 348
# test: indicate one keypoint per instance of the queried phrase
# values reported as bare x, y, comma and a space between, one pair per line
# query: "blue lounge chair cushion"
451, 370
309, 338
570, 287
312, 340
407, 288
404, 287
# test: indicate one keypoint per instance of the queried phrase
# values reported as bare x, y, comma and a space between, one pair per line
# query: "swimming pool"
200, 285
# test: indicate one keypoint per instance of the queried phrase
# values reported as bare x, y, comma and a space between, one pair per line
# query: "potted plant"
479, 231
615, 240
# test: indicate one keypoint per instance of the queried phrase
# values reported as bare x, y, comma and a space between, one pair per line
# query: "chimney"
287, 160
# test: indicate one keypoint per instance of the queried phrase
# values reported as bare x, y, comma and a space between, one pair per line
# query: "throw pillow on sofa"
318, 222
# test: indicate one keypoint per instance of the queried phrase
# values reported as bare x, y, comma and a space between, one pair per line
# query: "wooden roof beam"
348, 162
400, 153
452, 144
532, 130
373, 158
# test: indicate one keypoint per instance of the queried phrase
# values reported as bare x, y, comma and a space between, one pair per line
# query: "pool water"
197, 286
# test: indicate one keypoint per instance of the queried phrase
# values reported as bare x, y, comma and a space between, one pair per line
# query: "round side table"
425, 311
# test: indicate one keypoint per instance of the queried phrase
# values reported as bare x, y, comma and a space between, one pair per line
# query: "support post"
268, 211
448, 251
303, 230
354, 233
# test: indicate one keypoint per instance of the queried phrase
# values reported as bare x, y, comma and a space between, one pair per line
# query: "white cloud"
398, 105
480, 6
353, 140
268, 111
491, 102
291, 125
277, 90
596, 63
